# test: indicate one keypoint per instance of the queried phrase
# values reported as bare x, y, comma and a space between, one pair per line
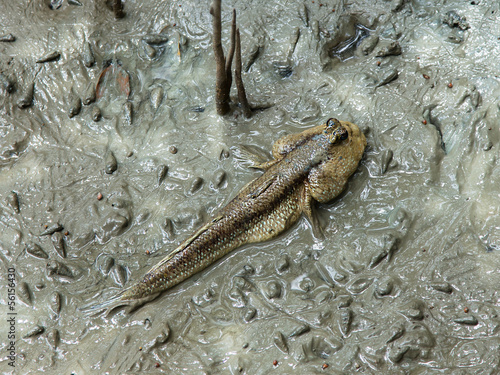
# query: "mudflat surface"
406, 279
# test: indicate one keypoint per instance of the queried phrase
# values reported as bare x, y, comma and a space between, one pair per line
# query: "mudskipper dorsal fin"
253, 157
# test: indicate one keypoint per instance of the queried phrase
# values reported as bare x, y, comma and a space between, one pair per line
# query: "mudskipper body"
313, 165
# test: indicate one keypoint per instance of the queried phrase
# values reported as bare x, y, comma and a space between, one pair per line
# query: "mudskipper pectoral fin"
307, 203
185, 244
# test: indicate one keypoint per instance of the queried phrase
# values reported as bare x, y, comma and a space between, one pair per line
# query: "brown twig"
118, 9
242, 97
230, 53
222, 85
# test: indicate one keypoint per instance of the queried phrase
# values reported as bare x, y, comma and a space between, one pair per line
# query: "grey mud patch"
97, 182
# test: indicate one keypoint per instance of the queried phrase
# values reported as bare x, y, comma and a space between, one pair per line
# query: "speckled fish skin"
312, 165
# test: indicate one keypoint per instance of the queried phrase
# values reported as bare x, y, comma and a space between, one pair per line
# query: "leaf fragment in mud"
468, 320
52, 229
48, 57
35, 331
345, 321
24, 293
280, 342
13, 201
58, 243
7, 38
299, 330
113, 77
36, 251
55, 302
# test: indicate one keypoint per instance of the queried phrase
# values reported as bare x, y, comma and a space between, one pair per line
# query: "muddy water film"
111, 154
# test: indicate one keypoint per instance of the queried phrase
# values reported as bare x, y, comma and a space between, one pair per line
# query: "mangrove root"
242, 97
118, 9
223, 74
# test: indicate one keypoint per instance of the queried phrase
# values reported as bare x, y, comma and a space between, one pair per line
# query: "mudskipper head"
346, 141
344, 148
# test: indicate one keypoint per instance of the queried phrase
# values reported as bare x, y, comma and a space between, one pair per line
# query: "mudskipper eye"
339, 135
333, 122
344, 134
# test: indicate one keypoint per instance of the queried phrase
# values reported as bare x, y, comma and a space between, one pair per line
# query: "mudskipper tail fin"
106, 306
118, 300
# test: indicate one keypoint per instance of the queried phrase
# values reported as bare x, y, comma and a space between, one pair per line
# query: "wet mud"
111, 154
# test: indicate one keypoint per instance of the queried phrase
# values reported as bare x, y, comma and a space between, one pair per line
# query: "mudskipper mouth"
357, 140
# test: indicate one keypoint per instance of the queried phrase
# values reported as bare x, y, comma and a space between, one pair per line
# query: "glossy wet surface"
406, 278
